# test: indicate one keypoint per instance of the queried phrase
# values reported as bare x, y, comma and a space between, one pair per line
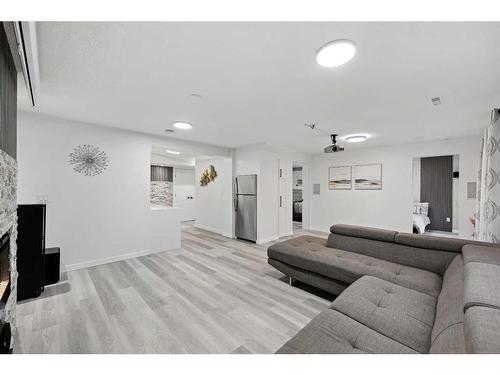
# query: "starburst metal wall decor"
88, 160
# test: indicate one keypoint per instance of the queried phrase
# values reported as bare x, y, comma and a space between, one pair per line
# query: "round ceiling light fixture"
173, 152
336, 53
182, 125
356, 138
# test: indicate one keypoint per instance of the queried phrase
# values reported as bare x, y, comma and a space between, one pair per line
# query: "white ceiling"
260, 82
160, 155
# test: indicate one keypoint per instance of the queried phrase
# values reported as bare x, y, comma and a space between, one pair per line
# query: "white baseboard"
319, 229
97, 262
210, 229
267, 239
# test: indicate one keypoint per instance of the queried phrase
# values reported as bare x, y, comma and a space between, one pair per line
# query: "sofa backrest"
364, 232
437, 243
415, 250
381, 244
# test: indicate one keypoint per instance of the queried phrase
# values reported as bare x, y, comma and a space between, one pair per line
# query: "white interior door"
285, 198
184, 192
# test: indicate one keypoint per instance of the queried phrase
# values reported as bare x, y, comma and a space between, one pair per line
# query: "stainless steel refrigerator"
245, 205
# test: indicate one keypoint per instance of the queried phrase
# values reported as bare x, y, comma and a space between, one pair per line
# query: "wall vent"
471, 190
436, 100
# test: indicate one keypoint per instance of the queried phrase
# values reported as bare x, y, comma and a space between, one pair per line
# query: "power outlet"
448, 220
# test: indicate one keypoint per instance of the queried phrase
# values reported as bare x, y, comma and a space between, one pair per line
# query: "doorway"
297, 197
435, 195
173, 182
184, 192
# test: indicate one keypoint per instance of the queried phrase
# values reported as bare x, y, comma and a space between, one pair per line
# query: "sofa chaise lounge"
397, 292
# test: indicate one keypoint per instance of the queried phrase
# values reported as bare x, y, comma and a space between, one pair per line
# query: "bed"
420, 217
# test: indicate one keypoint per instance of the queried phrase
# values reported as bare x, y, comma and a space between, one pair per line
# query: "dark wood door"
436, 184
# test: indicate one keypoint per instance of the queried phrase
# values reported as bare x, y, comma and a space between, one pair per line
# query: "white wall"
391, 207
214, 202
160, 159
100, 218
416, 168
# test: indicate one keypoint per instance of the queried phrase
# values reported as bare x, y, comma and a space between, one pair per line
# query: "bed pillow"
421, 208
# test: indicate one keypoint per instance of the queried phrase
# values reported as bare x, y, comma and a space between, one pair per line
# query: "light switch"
448, 219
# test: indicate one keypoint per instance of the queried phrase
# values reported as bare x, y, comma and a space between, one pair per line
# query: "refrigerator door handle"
236, 203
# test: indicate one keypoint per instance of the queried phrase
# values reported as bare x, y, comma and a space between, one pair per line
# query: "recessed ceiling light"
182, 125
356, 138
173, 152
336, 53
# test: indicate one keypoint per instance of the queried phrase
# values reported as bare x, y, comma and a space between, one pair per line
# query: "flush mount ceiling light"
356, 138
182, 125
173, 152
336, 53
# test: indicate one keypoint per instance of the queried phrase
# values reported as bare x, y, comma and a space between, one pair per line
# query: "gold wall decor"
208, 175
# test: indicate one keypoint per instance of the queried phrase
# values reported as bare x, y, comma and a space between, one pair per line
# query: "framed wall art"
368, 177
340, 178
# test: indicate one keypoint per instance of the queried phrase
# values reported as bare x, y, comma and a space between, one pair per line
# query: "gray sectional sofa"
397, 292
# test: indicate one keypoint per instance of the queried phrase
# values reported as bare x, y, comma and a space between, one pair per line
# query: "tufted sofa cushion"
402, 314
311, 254
334, 332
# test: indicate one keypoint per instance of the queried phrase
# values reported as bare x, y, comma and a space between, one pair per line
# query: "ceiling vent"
436, 100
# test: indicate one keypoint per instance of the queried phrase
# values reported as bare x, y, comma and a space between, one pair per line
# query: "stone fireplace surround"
8, 223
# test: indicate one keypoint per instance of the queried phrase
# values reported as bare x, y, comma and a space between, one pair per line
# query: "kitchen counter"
165, 228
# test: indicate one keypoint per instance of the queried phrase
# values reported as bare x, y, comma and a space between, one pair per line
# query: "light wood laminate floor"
214, 295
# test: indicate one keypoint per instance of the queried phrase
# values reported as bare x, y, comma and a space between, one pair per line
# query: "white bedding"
420, 221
